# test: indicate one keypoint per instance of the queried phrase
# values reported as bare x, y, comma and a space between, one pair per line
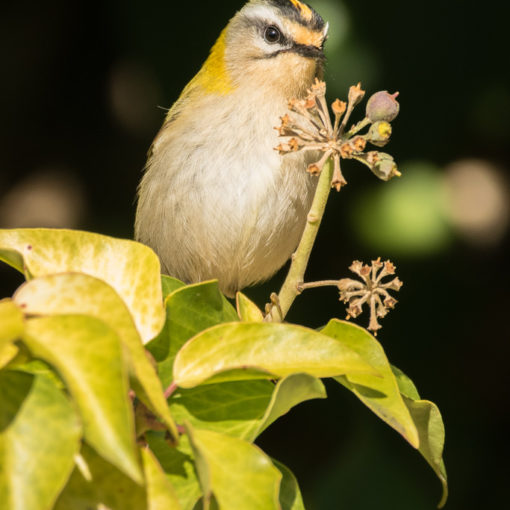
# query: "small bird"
217, 201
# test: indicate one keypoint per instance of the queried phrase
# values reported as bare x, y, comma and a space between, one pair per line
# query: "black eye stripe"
285, 42
300, 49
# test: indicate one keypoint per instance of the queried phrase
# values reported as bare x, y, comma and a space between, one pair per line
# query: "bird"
216, 200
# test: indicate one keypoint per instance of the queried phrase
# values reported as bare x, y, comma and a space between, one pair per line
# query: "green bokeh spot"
407, 215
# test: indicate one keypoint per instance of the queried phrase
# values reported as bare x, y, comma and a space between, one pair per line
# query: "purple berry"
383, 106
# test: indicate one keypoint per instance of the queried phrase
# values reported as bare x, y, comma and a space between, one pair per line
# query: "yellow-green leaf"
380, 394
405, 384
289, 392
429, 423
104, 488
36, 367
11, 322
7, 353
189, 310
132, 269
236, 473
11, 329
160, 493
169, 285
430, 426
236, 408
290, 495
240, 351
39, 437
178, 465
247, 310
76, 293
88, 355
243, 408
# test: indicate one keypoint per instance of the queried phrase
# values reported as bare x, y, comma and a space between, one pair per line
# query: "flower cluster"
371, 291
309, 127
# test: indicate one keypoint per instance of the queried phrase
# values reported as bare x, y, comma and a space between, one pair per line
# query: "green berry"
379, 133
385, 167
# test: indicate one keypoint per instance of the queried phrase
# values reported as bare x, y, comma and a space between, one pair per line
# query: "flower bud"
383, 106
379, 133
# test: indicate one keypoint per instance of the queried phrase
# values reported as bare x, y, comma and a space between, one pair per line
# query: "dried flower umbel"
371, 291
309, 127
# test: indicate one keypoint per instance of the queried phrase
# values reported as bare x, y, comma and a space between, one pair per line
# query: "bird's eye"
272, 35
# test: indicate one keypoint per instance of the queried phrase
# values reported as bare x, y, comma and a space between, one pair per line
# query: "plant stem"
290, 289
315, 285
170, 390
358, 127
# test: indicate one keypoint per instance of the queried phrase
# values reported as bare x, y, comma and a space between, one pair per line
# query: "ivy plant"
122, 389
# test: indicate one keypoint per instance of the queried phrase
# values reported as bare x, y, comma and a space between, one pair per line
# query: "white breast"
217, 201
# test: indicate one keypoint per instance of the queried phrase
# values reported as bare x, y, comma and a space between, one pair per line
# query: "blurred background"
82, 88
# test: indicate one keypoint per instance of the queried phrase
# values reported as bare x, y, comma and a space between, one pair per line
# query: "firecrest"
217, 201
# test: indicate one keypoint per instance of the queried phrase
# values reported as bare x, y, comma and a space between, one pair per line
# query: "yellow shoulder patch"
214, 76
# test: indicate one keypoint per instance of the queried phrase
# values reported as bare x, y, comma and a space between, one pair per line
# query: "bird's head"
273, 45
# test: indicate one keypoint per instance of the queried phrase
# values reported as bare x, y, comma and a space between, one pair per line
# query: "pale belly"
224, 208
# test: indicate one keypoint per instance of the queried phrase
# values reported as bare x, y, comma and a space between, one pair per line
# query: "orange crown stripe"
305, 11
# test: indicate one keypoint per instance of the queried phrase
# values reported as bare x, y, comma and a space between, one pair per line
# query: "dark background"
80, 84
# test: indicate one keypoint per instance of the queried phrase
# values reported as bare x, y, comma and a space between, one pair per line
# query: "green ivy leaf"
430, 426
132, 269
289, 392
39, 437
160, 493
236, 473
11, 322
243, 409
178, 465
405, 385
108, 488
429, 423
38, 367
189, 310
169, 285
247, 310
12, 257
11, 329
8, 352
380, 394
241, 351
76, 293
234, 408
290, 495
89, 357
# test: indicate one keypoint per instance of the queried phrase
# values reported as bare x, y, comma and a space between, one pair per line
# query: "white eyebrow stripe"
262, 12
